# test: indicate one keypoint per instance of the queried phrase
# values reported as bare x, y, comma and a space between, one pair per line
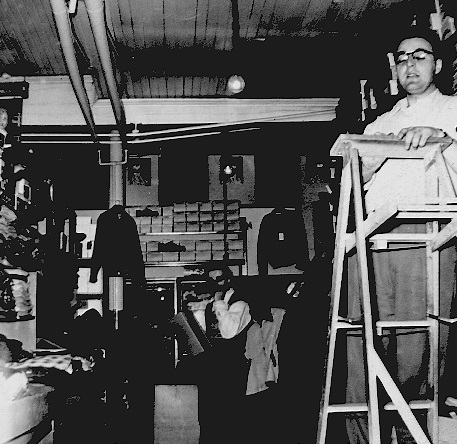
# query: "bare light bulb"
236, 84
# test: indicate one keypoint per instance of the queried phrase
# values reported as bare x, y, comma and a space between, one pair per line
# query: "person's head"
418, 60
220, 275
3, 118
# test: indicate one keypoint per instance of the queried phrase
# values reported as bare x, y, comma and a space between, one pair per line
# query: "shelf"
193, 263
20, 319
183, 233
194, 236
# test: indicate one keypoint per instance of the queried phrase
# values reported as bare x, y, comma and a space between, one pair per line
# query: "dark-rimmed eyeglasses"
418, 55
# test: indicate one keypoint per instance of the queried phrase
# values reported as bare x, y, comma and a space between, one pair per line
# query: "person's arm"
372, 164
417, 136
231, 318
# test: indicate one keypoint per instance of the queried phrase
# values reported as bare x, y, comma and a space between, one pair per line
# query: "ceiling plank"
179, 86
31, 49
153, 87
218, 29
205, 87
315, 14
162, 86
7, 52
196, 86
45, 24
266, 20
29, 20
187, 90
202, 9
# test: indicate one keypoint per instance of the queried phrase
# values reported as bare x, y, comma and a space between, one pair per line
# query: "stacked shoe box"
206, 216
193, 217
179, 218
188, 232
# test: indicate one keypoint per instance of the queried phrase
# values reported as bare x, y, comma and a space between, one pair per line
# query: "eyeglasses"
418, 55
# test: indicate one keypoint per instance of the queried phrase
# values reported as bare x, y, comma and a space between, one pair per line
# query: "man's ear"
438, 66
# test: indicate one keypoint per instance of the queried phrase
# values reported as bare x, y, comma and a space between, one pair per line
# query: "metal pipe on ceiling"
62, 20
96, 12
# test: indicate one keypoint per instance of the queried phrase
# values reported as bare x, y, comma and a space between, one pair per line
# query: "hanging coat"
282, 240
117, 248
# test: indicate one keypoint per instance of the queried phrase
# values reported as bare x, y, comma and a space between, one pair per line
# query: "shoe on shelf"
146, 212
170, 246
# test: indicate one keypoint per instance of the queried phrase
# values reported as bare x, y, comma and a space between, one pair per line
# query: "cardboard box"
176, 414
206, 206
170, 256
217, 255
187, 256
203, 255
193, 227
206, 226
167, 211
152, 246
179, 227
217, 245
235, 244
143, 228
189, 245
167, 228
153, 256
236, 254
192, 217
179, 218
202, 245
193, 206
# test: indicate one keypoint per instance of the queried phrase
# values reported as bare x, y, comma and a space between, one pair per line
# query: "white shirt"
231, 318
402, 180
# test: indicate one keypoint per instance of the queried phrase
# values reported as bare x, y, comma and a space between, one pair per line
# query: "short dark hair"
224, 268
422, 32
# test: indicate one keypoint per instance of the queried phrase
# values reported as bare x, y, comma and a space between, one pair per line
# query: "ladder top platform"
384, 146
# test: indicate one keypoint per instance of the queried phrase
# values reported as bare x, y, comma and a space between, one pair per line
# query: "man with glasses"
400, 272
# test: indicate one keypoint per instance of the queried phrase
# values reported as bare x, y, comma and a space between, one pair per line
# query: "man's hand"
218, 295
417, 136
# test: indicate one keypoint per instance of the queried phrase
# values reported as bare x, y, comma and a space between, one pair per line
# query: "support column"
116, 197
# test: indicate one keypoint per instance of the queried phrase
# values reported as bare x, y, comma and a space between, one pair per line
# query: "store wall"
271, 170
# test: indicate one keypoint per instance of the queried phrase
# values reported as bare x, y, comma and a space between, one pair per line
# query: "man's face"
3, 120
416, 68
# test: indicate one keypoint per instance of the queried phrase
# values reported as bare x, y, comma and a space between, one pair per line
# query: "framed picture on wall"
139, 172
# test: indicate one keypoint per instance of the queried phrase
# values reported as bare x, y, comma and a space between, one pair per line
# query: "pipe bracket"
115, 162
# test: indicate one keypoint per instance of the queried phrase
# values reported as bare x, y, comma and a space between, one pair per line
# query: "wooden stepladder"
438, 209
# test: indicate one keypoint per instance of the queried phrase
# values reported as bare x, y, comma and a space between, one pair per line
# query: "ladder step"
348, 324
413, 405
353, 407
361, 407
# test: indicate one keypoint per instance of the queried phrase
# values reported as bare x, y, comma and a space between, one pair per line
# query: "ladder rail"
338, 262
374, 428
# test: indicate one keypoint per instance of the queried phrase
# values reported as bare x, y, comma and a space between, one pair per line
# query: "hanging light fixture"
235, 83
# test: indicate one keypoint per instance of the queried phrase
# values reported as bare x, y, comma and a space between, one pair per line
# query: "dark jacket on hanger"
282, 240
117, 247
